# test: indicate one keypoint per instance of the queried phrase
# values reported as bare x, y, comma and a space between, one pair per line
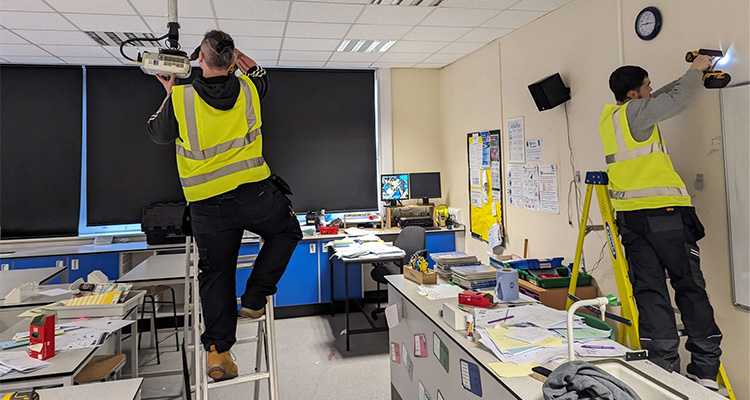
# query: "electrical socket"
74, 264
312, 248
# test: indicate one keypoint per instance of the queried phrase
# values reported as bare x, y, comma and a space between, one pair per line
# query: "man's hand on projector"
167, 82
702, 62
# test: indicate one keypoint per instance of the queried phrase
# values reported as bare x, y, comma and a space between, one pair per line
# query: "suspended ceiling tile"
404, 46
302, 64
24, 5
92, 6
21, 50
34, 20
377, 32
312, 30
430, 65
358, 57
9, 37
92, 60
348, 64
484, 34
241, 27
185, 8
458, 17
487, 4
260, 10
402, 57
393, 15
108, 23
512, 19
539, 5
266, 63
296, 55
446, 34
57, 37
43, 60
392, 65
76, 51
324, 12
193, 26
345, 1
311, 44
256, 43
461, 47
442, 58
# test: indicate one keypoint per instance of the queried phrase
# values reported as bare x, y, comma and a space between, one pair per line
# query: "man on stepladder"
656, 219
215, 125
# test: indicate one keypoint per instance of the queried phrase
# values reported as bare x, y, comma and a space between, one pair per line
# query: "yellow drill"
711, 79
32, 395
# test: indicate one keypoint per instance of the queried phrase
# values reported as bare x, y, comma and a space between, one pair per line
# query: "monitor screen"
425, 185
394, 187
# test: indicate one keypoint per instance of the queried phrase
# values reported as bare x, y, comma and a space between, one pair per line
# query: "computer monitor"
394, 187
425, 185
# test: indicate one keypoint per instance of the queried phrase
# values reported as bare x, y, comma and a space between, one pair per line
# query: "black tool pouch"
280, 184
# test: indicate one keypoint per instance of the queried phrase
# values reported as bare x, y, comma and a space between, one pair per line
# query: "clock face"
648, 23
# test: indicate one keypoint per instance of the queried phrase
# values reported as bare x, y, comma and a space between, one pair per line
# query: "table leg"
346, 302
332, 264
134, 347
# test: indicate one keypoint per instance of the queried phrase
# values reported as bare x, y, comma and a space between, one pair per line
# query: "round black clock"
648, 23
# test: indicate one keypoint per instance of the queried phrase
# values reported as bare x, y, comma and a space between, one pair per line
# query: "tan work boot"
221, 366
245, 312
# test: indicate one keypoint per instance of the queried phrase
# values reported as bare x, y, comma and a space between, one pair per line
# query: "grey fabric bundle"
576, 380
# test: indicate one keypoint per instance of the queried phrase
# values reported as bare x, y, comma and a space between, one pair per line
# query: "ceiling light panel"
34, 20
263, 10
364, 45
458, 17
512, 19
324, 12
92, 6
237, 27
406, 3
393, 15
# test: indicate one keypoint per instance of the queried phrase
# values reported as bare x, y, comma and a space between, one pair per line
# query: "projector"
166, 62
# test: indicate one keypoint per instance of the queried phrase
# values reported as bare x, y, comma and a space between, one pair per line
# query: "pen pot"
429, 277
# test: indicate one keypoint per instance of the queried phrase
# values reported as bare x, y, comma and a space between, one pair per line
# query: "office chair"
411, 240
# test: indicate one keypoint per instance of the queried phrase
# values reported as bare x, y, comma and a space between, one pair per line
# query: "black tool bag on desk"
163, 223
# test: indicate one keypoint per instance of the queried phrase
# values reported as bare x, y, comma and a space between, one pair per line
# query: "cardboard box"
555, 297
428, 278
42, 337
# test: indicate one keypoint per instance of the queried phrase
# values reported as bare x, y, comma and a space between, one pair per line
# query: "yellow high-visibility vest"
641, 174
218, 150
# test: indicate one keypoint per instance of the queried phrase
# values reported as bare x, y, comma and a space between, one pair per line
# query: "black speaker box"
549, 92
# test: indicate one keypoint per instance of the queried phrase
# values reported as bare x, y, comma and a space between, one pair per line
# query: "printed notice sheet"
475, 152
531, 187
534, 150
515, 185
476, 197
548, 188
515, 140
475, 177
485, 150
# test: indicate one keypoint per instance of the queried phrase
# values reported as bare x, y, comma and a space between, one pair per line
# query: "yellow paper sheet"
508, 370
551, 341
503, 342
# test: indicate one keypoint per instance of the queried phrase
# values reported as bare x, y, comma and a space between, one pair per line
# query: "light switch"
312, 248
74, 264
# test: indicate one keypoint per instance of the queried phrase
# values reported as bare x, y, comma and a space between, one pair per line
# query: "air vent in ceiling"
365, 45
423, 3
116, 38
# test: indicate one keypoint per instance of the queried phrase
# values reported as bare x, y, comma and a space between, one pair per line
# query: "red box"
474, 298
42, 332
329, 230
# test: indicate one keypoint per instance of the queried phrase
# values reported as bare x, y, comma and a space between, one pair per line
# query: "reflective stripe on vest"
641, 175
223, 171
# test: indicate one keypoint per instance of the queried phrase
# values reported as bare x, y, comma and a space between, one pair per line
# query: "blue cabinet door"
243, 273
80, 266
42, 262
299, 284
355, 277
438, 242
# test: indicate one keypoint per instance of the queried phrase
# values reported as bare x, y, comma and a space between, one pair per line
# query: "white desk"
9, 311
423, 316
157, 270
127, 389
14, 278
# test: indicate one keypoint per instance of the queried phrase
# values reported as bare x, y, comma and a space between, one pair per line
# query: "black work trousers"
218, 224
665, 239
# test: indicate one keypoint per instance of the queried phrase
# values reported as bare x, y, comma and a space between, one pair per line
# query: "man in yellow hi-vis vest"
215, 125
656, 219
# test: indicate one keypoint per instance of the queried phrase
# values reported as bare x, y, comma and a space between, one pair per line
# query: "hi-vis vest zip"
641, 175
218, 150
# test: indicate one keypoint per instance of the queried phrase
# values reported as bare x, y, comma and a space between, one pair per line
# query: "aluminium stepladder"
628, 331
265, 338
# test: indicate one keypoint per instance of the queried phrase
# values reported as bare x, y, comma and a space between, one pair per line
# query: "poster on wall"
485, 150
485, 183
475, 153
531, 187
516, 140
548, 188
534, 150
515, 185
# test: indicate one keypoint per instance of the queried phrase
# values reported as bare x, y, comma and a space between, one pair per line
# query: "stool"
150, 297
99, 368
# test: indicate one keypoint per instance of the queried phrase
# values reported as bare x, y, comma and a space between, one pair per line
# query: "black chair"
411, 240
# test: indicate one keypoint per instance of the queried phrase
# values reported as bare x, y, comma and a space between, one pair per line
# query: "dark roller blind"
40, 150
319, 135
125, 170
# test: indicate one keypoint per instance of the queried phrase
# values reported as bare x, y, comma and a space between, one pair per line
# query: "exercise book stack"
474, 277
445, 261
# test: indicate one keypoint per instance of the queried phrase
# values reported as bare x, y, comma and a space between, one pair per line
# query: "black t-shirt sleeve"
162, 126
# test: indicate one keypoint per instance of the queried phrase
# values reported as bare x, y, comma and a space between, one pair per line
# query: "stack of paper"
445, 261
475, 277
441, 291
19, 361
504, 344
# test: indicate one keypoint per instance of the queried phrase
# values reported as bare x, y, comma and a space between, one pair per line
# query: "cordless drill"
711, 79
32, 395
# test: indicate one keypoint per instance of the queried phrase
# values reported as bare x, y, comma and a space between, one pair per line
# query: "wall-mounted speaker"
549, 92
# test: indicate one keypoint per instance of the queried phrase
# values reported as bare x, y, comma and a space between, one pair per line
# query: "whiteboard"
735, 122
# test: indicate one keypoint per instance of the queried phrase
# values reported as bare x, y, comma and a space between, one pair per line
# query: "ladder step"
249, 320
251, 339
240, 379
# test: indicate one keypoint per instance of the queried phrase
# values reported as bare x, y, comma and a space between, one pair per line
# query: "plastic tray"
536, 263
105, 310
563, 281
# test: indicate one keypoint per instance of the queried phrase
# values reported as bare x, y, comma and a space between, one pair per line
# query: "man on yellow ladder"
655, 217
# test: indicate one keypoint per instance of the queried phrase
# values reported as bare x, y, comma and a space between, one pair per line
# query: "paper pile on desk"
440, 291
369, 248
11, 361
